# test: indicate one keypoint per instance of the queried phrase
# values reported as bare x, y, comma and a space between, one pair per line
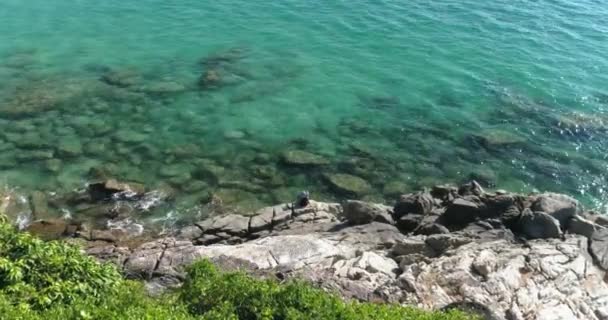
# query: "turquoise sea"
207, 97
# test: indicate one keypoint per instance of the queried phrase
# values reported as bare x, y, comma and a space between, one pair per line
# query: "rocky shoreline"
508, 256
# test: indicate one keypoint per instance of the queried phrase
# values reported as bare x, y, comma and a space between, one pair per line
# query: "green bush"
54, 281
38, 274
235, 295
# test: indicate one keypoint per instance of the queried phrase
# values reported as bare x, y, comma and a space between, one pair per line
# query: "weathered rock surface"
547, 264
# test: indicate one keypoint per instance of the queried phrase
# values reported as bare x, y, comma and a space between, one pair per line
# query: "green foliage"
38, 274
54, 281
217, 295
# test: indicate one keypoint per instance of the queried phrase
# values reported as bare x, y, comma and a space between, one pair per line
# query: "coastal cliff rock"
498, 252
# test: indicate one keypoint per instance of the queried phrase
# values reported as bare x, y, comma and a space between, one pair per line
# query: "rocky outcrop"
513, 257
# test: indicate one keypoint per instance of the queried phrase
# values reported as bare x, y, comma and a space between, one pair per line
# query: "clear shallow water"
403, 94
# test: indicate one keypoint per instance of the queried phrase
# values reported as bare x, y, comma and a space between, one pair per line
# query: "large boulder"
359, 212
420, 203
559, 206
462, 211
582, 226
539, 225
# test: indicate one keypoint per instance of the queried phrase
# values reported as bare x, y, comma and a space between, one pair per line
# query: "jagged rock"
359, 212
418, 203
409, 222
445, 193
559, 206
462, 211
440, 243
478, 265
372, 262
539, 225
303, 158
471, 188
599, 247
348, 184
429, 228
584, 227
413, 246
112, 188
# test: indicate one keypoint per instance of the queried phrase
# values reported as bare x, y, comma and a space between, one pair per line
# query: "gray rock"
462, 211
409, 222
559, 206
599, 247
232, 224
539, 225
359, 212
262, 220
190, 233
579, 225
417, 203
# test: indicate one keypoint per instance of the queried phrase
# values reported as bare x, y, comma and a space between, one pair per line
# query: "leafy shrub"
38, 274
236, 295
54, 281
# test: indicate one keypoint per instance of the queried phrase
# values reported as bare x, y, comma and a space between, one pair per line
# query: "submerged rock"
303, 158
496, 138
348, 184
121, 78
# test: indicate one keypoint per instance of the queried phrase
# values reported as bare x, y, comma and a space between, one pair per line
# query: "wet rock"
39, 204
358, 212
420, 203
348, 184
559, 206
112, 188
539, 225
303, 158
